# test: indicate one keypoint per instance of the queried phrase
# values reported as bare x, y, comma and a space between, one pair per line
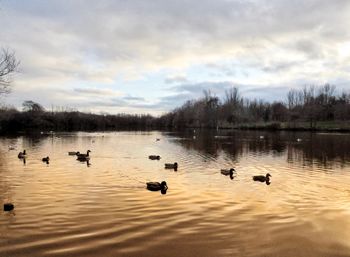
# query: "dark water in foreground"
67, 208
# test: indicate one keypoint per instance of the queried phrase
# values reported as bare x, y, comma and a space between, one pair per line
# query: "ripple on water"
67, 208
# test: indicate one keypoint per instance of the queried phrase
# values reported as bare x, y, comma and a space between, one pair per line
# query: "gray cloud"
176, 79
133, 98
65, 44
95, 91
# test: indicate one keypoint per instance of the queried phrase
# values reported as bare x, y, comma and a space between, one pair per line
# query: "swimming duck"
22, 155
8, 207
11, 148
262, 178
157, 139
156, 186
227, 172
84, 157
73, 153
46, 159
154, 157
171, 165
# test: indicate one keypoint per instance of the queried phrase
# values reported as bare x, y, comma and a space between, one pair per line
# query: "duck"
157, 139
227, 172
8, 207
262, 178
171, 165
22, 155
84, 157
299, 140
11, 148
73, 153
46, 159
156, 186
154, 157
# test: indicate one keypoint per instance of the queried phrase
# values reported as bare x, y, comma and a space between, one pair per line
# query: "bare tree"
30, 106
8, 65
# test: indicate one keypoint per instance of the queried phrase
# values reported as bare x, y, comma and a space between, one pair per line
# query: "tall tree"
8, 65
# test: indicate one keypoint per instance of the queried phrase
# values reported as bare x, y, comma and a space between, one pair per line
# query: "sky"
150, 56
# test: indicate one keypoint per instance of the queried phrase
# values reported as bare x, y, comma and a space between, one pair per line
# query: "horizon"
150, 57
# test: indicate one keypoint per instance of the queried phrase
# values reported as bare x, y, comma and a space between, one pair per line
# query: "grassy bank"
330, 126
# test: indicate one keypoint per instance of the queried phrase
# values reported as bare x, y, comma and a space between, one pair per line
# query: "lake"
102, 208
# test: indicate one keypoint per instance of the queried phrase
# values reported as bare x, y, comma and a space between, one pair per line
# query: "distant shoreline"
242, 127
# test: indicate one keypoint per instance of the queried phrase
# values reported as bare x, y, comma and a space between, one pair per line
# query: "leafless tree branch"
8, 65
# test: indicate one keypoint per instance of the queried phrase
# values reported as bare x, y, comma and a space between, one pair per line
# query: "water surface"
69, 208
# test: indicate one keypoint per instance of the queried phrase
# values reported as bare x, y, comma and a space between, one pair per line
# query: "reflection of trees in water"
202, 143
5, 190
321, 150
312, 149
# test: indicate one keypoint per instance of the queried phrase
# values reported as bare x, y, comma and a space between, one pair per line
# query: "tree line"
34, 117
307, 108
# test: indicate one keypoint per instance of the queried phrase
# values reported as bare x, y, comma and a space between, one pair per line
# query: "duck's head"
268, 175
48, 158
163, 185
88, 151
24, 151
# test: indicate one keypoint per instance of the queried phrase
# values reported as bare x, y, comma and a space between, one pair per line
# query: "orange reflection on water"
69, 208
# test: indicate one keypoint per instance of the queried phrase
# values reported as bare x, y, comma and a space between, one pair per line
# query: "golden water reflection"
102, 208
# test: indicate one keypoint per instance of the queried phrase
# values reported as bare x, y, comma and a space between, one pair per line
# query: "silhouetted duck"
156, 186
8, 207
262, 178
84, 157
73, 153
22, 155
154, 157
227, 172
46, 159
171, 165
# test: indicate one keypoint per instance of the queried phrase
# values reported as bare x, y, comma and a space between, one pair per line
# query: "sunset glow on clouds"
151, 56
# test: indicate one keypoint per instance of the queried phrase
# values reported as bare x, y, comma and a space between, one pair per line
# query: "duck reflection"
88, 163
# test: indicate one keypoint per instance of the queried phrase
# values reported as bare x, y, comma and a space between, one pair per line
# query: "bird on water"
227, 172
22, 154
156, 186
84, 157
262, 178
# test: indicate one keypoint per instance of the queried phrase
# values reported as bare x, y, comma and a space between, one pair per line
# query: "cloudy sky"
149, 56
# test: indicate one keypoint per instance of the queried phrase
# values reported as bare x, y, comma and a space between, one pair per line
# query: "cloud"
96, 91
143, 47
176, 79
133, 98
